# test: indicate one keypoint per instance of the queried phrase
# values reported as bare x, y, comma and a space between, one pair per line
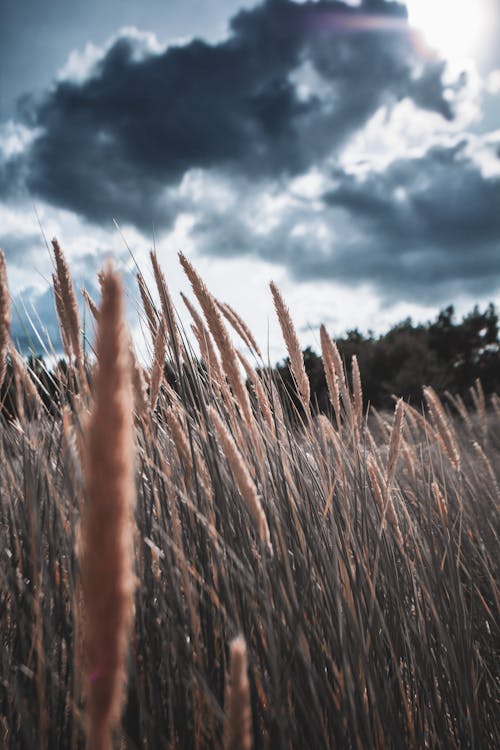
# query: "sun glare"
453, 28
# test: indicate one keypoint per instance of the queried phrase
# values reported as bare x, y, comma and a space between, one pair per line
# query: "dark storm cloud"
108, 146
424, 229
424, 222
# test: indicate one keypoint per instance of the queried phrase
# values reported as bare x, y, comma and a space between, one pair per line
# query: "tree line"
447, 353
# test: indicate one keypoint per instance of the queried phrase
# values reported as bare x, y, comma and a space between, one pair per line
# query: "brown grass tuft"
395, 441
242, 477
157, 368
167, 306
444, 432
107, 530
149, 309
331, 374
240, 327
221, 338
71, 316
91, 304
293, 347
237, 706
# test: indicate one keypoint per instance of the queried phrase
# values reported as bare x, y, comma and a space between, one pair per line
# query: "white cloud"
80, 63
405, 130
484, 150
14, 139
493, 83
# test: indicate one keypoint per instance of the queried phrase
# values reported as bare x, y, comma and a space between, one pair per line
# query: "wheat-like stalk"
91, 304
293, 347
242, 477
207, 350
331, 375
5, 317
357, 393
395, 441
149, 309
107, 528
167, 305
441, 503
479, 401
138, 383
221, 338
157, 368
262, 397
23, 379
69, 303
382, 494
444, 432
61, 317
237, 706
239, 326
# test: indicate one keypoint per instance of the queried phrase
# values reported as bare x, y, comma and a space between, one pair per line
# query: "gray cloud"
424, 229
109, 146
18, 248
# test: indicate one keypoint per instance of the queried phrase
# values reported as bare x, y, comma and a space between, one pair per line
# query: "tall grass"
327, 581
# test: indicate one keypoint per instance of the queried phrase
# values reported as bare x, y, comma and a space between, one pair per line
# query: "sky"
350, 151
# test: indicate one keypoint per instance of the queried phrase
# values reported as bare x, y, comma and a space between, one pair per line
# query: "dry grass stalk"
417, 422
382, 493
209, 356
177, 430
197, 319
338, 384
69, 303
138, 383
458, 403
240, 327
262, 398
207, 350
242, 477
91, 304
330, 372
5, 317
157, 368
357, 393
61, 316
167, 306
23, 379
221, 338
444, 432
479, 401
487, 467
151, 314
293, 347
237, 706
339, 365
440, 501
107, 530
395, 441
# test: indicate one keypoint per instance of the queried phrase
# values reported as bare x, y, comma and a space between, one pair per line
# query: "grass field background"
204, 563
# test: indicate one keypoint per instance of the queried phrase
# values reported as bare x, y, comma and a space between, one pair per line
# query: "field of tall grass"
196, 562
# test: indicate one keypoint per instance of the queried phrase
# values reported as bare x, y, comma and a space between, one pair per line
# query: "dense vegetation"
448, 354
303, 580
